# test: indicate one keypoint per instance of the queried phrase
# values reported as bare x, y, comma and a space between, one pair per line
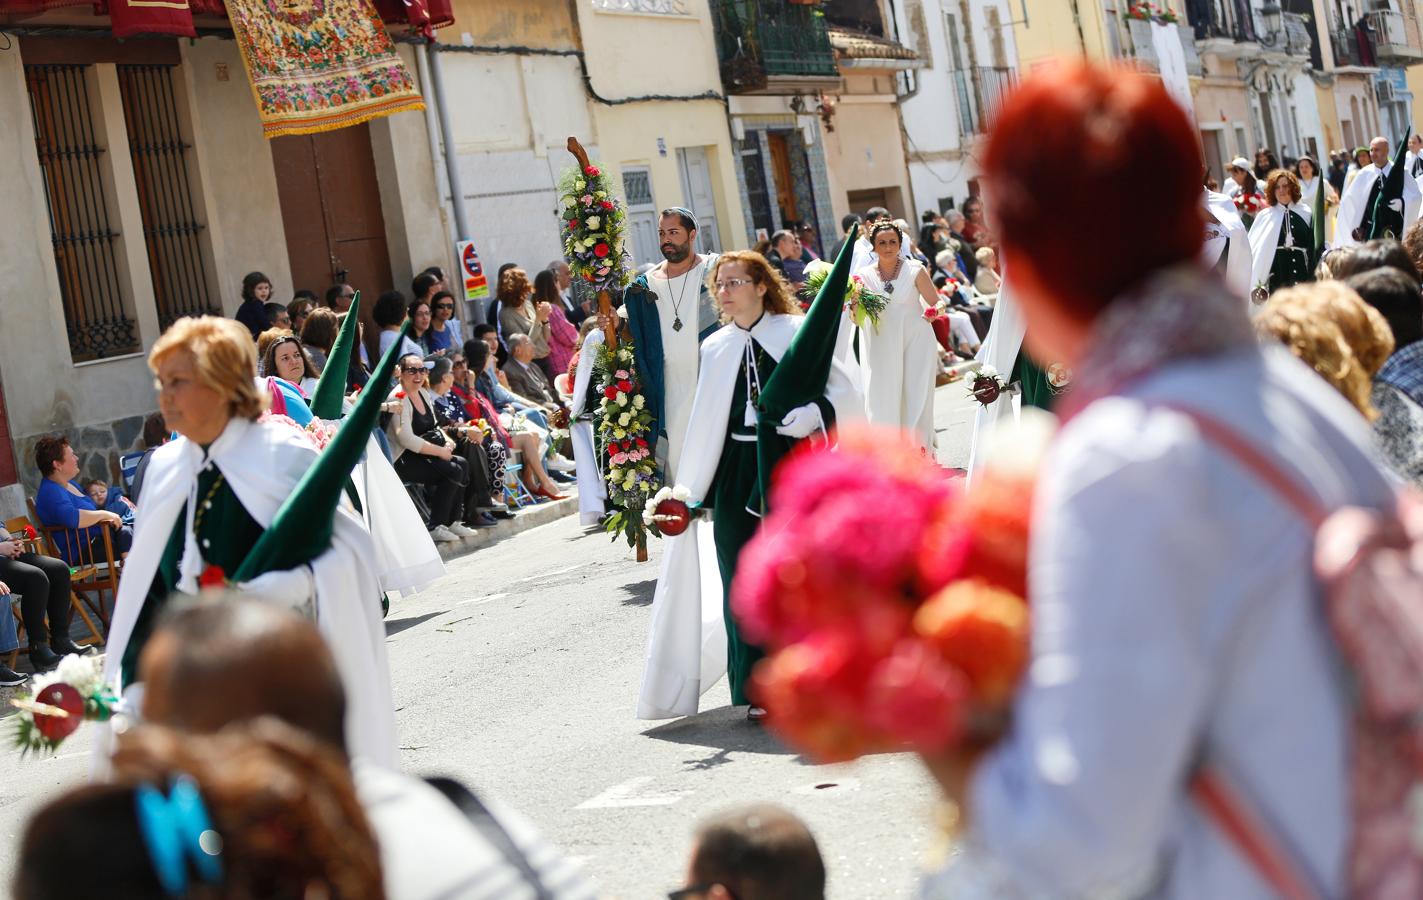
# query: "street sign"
476, 286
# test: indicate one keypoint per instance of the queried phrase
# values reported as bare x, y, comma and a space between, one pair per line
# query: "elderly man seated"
525, 378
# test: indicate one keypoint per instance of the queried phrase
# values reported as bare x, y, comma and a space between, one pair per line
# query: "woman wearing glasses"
424, 455
718, 470
444, 334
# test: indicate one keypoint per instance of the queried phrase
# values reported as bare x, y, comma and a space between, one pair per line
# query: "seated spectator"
563, 336
519, 313
418, 311
987, 281
285, 359
9, 640
504, 399
1309, 321
423, 455
389, 315
468, 441
110, 498
760, 852
43, 585
318, 335
515, 433
784, 256
275, 664
300, 307
338, 298
264, 343
285, 819
277, 316
444, 334
256, 291
1398, 386
155, 434
525, 378
61, 504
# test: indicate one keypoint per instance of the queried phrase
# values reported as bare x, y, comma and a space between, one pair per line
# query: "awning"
175, 17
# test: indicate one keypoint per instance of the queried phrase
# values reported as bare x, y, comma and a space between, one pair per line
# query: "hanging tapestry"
318, 65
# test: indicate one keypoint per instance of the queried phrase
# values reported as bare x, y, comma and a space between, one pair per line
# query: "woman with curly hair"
1281, 239
259, 811
719, 471
520, 312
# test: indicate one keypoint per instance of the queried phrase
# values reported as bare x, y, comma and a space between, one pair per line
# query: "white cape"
1265, 239
1356, 197
1227, 231
263, 462
686, 644
592, 490
405, 558
999, 350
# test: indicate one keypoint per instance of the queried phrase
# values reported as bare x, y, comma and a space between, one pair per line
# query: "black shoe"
10, 678
42, 658
481, 520
64, 646
502, 512
563, 478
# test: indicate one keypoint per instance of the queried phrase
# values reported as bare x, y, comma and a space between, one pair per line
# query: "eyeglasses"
350, 296
732, 284
444, 306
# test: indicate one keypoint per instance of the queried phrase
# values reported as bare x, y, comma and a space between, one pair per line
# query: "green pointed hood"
331, 386
1317, 215
302, 528
803, 371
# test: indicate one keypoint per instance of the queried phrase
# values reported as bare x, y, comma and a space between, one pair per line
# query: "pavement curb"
525, 519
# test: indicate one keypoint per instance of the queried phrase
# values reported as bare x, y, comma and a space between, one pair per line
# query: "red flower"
400, 395
625, 386
612, 449
607, 204
931, 314
29, 532
213, 577
641, 442
610, 392
588, 276
600, 250
592, 172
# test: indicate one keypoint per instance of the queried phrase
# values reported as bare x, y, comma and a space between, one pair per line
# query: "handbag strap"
1212, 790
491, 830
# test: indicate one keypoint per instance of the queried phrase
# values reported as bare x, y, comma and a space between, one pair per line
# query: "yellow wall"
545, 24
866, 151
1329, 118
1053, 30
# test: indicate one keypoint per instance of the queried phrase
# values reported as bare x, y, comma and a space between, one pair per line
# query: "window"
96, 316
165, 193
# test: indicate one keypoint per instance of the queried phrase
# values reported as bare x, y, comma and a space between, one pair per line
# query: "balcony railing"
979, 93
1396, 37
1221, 19
1354, 46
759, 41
1143, 50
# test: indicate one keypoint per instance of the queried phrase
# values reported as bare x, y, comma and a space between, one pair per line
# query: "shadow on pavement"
395, 626
639, 593
723, 730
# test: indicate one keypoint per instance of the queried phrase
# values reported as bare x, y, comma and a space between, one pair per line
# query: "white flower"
624, 419
681, 493
593, 222
638, 402
580, 185
622, 399
988, 370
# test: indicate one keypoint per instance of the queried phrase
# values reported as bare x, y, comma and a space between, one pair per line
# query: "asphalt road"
517, 674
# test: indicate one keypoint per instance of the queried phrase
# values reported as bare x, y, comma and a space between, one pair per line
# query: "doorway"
330, 201
700, 199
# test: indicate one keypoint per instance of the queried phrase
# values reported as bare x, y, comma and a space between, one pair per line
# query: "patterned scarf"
1404, 371
1183, 312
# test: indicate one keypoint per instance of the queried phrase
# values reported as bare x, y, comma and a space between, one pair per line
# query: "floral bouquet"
1249, 204
863, 304
59, 702
624, 435
594, 226
1151, 12
892, 602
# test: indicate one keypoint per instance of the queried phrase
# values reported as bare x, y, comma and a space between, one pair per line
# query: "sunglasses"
444, 306
413, 370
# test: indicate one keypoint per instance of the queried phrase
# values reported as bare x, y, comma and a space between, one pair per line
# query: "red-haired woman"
1176, 617
1281, 239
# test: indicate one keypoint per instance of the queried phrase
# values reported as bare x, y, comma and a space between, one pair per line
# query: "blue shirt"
59, 508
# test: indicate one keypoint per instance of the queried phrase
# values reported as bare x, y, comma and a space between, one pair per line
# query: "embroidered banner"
318, 65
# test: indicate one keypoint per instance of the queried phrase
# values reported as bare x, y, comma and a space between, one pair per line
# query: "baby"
111, 500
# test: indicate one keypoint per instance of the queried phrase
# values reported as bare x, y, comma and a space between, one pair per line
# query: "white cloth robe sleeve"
1238, 261
262, 462
1352, 203
1000, 350
406, 559
686, 647
592, 489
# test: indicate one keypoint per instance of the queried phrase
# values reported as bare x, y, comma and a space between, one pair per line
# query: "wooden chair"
93, 570
16, 527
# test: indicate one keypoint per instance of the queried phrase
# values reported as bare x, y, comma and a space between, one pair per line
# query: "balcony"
979, 93
773, 47
1354, 47
1144, 51
1396, 39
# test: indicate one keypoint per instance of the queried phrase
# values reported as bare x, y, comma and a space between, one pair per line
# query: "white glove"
288, 588
1396, 205
801, 422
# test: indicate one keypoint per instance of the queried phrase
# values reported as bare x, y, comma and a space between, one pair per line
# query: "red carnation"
641, 442
592, 172
400, 395
29, 532
600, 250
625, 386
607, 204
610, 392
213, 577
612, 449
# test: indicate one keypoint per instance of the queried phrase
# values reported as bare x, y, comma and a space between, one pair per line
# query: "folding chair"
515, 494
16, 527
92, 570
128, 467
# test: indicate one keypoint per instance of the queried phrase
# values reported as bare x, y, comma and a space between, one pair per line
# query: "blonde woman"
208, 496
1331, 330
718, 470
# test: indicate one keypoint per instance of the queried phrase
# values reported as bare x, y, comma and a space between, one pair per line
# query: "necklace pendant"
677, 324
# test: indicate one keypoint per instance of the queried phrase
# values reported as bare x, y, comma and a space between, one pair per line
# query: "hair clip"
177, 829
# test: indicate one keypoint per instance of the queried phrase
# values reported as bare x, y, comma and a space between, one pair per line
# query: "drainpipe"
437, 88
432, 135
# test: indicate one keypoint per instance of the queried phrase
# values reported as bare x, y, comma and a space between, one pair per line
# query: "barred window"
85, 242
165, 193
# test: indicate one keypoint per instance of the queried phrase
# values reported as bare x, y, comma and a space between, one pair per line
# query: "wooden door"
331, 212
785, 185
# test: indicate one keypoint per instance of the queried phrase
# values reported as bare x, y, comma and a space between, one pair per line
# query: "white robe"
686, 644
1356, 196
592, 489
1265, 238
1225, 229
899, 357
263, 462
679, 297
1000, 350
405, 557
